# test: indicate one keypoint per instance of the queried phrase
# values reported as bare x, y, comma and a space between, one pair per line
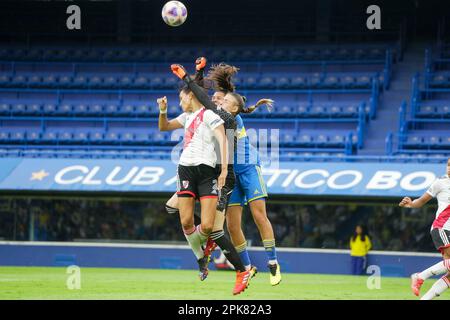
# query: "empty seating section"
101, 102
424, 129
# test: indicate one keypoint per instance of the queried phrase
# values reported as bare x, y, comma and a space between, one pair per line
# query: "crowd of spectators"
295, 225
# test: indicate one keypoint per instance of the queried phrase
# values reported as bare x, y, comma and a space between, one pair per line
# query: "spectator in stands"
359, 247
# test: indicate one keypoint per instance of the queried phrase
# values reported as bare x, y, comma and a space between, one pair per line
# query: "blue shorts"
249, 186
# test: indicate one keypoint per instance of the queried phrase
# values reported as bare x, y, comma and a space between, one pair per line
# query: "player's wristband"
163, 111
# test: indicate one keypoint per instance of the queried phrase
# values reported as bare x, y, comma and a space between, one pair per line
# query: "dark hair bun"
244, 99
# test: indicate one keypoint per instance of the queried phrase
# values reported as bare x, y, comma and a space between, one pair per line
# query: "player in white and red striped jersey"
440, 233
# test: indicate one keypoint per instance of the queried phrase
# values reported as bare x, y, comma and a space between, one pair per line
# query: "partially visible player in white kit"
440, 233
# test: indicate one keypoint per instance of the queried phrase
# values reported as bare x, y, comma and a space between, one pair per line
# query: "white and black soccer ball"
174, 13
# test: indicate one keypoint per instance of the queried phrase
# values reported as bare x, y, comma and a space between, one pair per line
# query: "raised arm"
163, 123
198, 91
407, 202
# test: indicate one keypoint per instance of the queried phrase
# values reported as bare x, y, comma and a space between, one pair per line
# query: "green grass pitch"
102, 283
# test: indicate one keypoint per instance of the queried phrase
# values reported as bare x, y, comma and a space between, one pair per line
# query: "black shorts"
197, 181
227, 189
441, 239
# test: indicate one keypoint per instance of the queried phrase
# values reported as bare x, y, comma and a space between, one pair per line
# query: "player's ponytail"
267, 102
221, 75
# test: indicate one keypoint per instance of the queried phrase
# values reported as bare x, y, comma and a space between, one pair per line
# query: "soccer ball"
174, 13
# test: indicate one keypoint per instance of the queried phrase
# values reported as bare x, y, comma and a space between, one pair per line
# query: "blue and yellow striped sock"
243, 254
269, 246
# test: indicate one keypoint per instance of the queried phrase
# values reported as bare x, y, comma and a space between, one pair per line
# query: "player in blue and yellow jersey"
250, 188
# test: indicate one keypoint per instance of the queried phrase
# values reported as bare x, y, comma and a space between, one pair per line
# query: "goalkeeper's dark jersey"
229, 121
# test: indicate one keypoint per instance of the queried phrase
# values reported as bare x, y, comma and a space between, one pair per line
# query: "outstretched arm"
407, 202
163, 123
198, 91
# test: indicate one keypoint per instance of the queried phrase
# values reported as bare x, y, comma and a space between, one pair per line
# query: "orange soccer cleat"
200, 63
178, 70
416, 283
242, 281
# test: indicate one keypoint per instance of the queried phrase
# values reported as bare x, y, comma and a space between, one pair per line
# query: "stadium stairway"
387, 118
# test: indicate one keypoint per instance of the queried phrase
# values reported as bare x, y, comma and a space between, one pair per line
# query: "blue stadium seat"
426, 111
336, 140
50, 81
96, 137
348, 81
17, 136
126, 110
33, 109
321, 140
5, 80
81, 137
363, 81
282, 82
266, 83
141, 82
80, 81
95, 109
112, 137
317, 111
331, 81
35, 81
444, 111
65, 81
414, 141
49, 109
127, 137
65, 137
143, 110
95, 82
305, 139
302, 111
33, 136
5, 109
50, 137
112, 109
19, 81
18, 109
298, 82
80, 109
4, 136
64, 109
125, 81
110, 82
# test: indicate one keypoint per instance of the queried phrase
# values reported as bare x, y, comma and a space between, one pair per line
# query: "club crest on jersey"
185, 184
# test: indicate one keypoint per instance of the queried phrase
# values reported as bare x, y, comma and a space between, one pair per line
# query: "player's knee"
233, 227
207, 227
187, 223
260, 217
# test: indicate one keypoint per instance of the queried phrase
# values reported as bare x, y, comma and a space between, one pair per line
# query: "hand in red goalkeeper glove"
178, 70
200, 63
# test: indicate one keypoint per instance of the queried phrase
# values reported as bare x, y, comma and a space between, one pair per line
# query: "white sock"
194, 240
273, 261
203, 237
437, 269
437, 289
